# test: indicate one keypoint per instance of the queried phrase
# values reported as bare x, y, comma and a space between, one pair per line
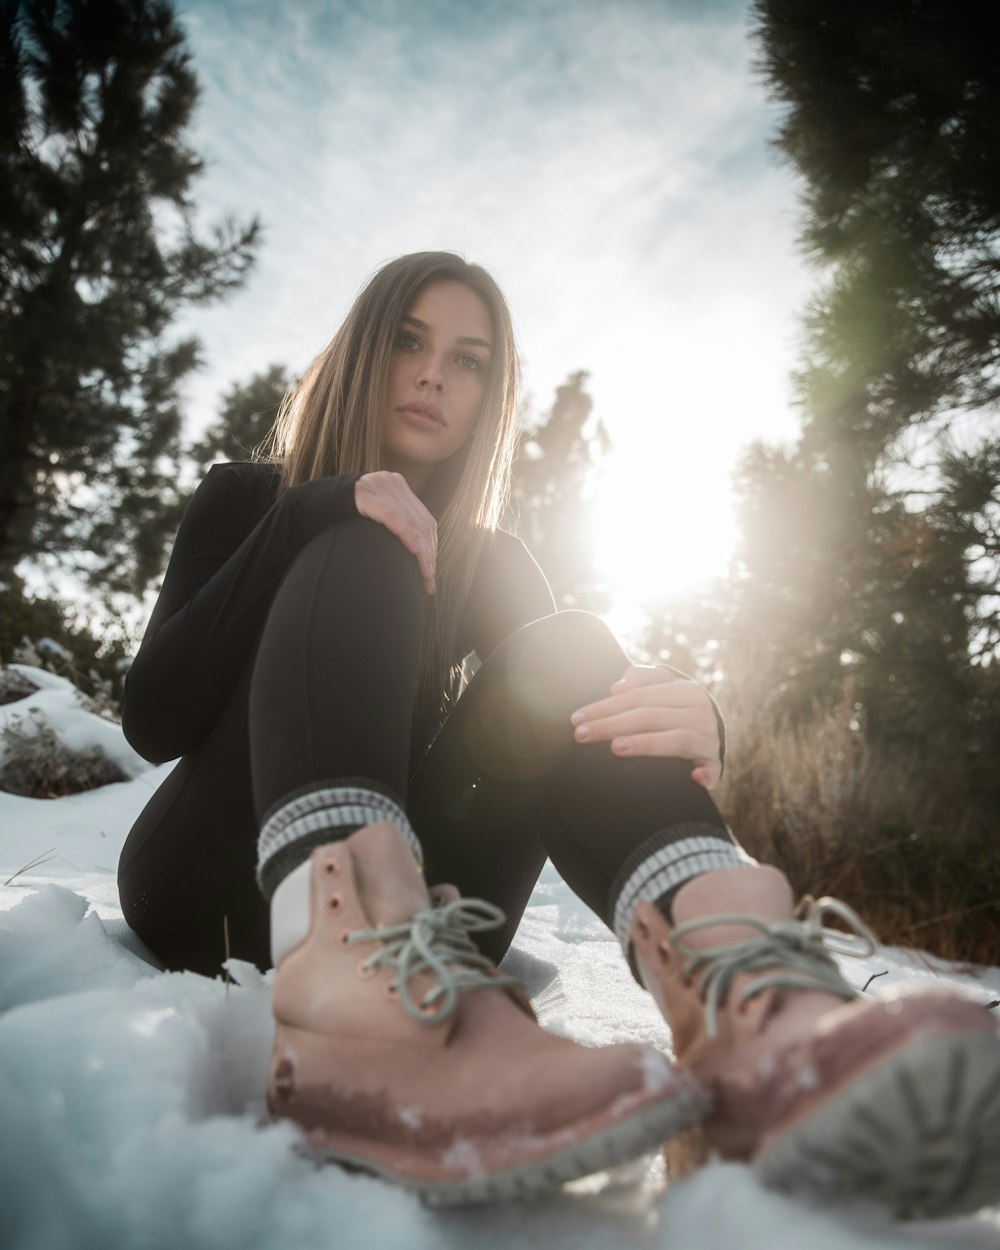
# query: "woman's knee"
370, 539
515, 717
567, 650
357, 554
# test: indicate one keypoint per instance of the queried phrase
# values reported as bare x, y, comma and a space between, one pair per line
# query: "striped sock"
658, 867
325, 812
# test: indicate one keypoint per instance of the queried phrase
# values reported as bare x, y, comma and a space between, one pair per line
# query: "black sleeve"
231, 552
509, 590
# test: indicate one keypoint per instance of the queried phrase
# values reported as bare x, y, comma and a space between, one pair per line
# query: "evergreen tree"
552, 482
98, 253
871, 550
893, 121
248, 412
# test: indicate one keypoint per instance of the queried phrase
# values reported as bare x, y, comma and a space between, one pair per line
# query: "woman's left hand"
652, 711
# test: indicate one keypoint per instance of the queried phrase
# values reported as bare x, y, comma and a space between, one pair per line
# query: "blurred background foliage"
854, 643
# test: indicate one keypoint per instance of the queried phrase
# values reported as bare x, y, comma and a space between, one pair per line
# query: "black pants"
327, 695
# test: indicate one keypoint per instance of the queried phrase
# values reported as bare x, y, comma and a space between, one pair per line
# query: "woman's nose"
431, 375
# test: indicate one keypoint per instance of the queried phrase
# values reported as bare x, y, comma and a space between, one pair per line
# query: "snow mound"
58, 703
131, 1110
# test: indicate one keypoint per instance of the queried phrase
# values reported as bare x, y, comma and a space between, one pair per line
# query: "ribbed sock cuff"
325, 812
664, 862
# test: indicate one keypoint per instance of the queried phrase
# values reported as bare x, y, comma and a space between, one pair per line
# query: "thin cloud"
607, 161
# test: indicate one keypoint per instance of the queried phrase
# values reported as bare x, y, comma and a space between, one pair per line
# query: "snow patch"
60, 705
412, 1117
132, 1100
463, 1155
658, 1073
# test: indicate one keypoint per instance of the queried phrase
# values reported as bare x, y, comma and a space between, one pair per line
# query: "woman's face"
437, 379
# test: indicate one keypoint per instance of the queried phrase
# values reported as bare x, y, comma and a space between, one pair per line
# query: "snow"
131, 1100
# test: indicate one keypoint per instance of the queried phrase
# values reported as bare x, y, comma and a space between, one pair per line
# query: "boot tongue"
390, 884
759, 891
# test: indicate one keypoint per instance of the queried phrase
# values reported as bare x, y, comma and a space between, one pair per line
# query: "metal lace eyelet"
364, 969
331, 868
391, 990
344, 937
334, 902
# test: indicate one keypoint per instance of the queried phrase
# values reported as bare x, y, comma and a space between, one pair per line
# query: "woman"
302, 661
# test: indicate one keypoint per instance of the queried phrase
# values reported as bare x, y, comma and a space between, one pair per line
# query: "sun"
660, 527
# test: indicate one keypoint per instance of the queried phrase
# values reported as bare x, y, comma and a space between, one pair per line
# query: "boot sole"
919, 1134
643, 1131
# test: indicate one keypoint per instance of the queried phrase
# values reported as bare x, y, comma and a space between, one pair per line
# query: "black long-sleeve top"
211, 610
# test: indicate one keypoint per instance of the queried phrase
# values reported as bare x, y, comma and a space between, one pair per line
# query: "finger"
707, 775
684, 741
378, 495
644, 675
670, 691
677, 744
426, 553
415, 536
679, 703
412, 504
428, 557
649, 720
427, 571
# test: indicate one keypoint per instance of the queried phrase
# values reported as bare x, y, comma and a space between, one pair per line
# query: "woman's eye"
468, 361
407, 341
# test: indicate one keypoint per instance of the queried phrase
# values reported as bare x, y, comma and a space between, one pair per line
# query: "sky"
609, 162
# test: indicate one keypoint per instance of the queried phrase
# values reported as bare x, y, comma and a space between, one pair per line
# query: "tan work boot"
399, 1048
894, 1099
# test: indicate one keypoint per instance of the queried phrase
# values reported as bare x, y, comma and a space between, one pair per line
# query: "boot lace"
437, 941
801, 951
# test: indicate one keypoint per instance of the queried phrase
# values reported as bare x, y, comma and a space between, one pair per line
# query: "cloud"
608, 162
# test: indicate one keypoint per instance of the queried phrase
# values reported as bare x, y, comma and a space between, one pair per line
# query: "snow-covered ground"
131, 1099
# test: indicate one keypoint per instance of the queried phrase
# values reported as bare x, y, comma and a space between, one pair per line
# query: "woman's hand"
653, 712
385, 497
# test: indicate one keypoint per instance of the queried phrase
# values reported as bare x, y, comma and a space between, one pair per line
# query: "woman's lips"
424, 416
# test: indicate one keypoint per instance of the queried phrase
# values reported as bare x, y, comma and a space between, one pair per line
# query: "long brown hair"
332, 423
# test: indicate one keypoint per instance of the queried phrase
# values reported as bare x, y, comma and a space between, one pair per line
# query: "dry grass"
841, 818
38, 766
45, 858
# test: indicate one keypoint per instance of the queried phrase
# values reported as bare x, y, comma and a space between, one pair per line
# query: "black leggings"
327, 696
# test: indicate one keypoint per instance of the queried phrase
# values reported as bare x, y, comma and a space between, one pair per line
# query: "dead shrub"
841, 817
14, 686
39, 766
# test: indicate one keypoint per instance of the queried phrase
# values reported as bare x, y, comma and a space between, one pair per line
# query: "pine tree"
98, 254
552, 481
893, 121
871, 550
248, 412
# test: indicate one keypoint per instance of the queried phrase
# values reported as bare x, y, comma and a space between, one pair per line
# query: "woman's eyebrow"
422, 325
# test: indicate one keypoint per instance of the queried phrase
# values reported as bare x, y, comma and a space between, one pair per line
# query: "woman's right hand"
386, 498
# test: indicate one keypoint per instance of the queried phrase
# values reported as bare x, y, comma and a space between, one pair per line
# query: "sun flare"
658, 533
